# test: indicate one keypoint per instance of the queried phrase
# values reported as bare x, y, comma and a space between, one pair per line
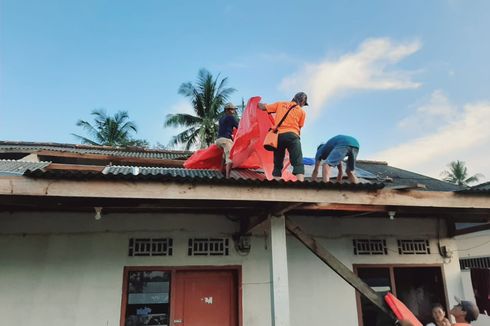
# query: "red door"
204, 298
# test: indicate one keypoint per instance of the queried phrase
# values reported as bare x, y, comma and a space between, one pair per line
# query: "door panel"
205, 298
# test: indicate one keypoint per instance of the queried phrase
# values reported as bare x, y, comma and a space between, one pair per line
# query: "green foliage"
458, 174
208, 97
110, 130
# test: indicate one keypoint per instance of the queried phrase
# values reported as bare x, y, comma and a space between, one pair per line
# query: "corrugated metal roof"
392, 176
180, 172
481, 189
198, 176
138, 170
101, 150
13, 167
360, 173
482, 186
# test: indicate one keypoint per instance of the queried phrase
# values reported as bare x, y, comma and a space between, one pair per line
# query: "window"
148, 296
417, 287
474, 263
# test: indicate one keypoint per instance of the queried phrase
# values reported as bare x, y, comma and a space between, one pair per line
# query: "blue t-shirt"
339, 140
226, 125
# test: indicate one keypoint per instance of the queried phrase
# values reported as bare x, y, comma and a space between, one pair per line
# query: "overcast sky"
409, 79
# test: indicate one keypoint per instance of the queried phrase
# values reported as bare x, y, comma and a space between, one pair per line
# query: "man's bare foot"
352, 177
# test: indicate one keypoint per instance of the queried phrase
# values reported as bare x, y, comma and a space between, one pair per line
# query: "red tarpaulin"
247, 151
400, 310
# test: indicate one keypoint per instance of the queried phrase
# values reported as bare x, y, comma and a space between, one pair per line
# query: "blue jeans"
339, 152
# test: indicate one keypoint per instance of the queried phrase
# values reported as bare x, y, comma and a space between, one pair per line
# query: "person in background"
464, 312
225, 135
288, 133
333, 152
439, 316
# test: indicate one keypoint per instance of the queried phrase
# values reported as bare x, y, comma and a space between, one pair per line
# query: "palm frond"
108, 130
181, 120
458, 174
85, 140
208, 95
187, 137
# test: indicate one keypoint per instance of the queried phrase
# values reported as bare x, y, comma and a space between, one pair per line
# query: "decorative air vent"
370, 247
208, 247
413, 247
150, 247
474, 263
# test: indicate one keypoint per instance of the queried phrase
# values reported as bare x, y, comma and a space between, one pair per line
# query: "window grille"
370, 247
208, 247
413, 247
150, 247
474, 263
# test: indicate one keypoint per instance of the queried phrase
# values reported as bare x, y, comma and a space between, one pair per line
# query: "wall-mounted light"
391, 215
98, 213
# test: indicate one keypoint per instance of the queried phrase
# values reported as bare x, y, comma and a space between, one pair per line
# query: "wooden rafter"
337, 266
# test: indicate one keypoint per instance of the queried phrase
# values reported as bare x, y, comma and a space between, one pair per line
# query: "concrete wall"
67, 268
474, 244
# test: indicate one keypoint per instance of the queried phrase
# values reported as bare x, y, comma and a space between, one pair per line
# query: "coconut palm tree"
110, 130
208, 96
458, 174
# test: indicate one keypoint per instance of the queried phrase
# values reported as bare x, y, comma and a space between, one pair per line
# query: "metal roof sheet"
181, 172
393, 176
482, 186
197, 176
13, 167
481, 189
138, 170
101, 150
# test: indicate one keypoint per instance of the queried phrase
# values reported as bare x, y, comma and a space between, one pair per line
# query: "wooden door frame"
236, 269
391, 268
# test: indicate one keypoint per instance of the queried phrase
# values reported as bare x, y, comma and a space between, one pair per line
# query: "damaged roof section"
53, 160
13, 167
136, 152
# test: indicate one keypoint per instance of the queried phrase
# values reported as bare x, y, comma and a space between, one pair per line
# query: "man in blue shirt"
225, 135
333, 152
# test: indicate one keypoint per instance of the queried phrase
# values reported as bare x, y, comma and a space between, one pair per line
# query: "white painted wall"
474, 244
67, 268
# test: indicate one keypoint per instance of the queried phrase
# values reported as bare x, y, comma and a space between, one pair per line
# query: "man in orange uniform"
289, 133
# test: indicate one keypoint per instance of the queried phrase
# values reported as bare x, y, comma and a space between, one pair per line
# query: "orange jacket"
293, 122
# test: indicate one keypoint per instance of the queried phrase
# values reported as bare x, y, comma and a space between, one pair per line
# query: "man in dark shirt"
225, 134
333, 152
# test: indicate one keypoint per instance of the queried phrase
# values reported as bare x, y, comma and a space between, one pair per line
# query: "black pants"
291, 142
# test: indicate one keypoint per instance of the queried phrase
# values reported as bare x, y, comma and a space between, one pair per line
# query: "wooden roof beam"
107, 159
260, 192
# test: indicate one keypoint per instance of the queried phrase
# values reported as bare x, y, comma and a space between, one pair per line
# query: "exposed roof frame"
111, 158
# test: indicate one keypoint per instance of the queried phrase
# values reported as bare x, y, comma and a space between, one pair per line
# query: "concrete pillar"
279, 272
